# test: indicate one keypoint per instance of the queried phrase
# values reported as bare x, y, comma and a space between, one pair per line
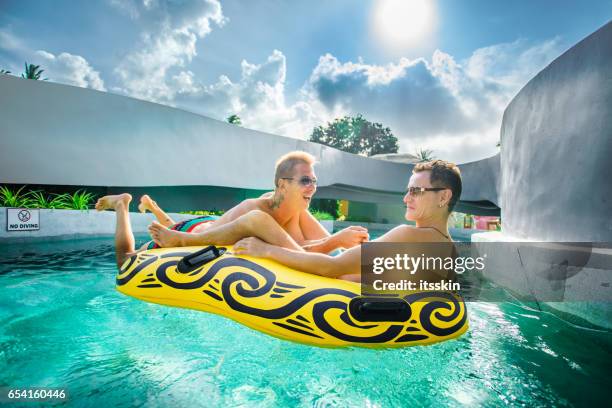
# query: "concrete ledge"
74, 224
67, 224
524, 276
494, 236
328, 225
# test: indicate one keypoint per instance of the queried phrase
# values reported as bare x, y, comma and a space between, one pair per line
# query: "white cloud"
10, 42
452, 107
512, 64
64, 68
258, 97
171, 30
70, 69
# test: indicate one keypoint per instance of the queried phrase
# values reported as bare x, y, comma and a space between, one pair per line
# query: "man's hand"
251, 246
350, 237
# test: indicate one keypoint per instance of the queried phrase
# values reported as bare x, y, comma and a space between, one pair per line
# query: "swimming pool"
64, 325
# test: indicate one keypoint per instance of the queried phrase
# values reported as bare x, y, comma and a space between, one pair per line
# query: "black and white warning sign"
22, 219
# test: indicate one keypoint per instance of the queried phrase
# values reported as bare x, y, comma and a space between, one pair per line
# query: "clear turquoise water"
64, 325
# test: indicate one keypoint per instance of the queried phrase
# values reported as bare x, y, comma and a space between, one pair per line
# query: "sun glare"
402, 23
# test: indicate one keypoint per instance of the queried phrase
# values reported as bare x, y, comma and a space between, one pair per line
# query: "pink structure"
484, 222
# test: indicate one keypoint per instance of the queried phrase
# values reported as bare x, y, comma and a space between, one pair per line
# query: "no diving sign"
22, 219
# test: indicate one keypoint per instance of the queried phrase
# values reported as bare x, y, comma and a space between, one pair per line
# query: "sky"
439, 73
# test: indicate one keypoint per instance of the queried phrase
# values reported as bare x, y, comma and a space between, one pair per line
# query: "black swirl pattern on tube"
123, 280
162, 275
439, 303
318, 314
281, 312
129, 265
259, 281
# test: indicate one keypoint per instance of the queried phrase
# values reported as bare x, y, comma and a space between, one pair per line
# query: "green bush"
80, 200
14, 199
322, 215
39, 200
204, 212
326, 205
53, 201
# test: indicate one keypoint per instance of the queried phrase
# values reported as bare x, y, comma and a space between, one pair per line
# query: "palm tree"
424, 155
4, 71
33, 72
234, 120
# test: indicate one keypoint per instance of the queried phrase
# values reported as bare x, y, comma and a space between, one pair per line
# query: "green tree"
33, 72
326, 205
356, 135
4, 71
234, 120
425, 155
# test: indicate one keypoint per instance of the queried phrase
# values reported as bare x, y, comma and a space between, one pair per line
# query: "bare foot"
146, 204
165, 237
110, 202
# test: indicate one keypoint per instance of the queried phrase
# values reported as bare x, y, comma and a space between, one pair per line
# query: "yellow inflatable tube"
289, 304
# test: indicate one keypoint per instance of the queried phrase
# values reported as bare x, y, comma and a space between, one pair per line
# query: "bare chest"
292, 227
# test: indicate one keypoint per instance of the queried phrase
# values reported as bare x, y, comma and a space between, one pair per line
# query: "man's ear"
446, 196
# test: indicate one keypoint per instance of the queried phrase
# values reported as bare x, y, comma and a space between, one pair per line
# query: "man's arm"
408, 233
319, 240
347, 263
311, 228
347, 238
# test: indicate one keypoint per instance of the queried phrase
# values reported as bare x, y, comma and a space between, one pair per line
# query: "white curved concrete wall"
80, 136
557, 146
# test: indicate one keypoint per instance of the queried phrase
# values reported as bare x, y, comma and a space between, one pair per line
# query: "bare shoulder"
306, 216
241, 209
261, 203
408, 233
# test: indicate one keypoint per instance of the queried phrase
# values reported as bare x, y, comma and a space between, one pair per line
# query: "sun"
402, 23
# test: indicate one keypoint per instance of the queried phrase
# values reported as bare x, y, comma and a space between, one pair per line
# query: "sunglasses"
304, 181
419, 191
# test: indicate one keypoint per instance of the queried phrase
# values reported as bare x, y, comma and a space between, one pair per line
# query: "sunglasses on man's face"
304, 181
419, 191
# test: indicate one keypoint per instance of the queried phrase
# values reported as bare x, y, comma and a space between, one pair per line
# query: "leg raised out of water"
124, 238
255, 223
147, 204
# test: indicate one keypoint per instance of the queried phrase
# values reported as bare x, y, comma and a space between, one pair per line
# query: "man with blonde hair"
280, 217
